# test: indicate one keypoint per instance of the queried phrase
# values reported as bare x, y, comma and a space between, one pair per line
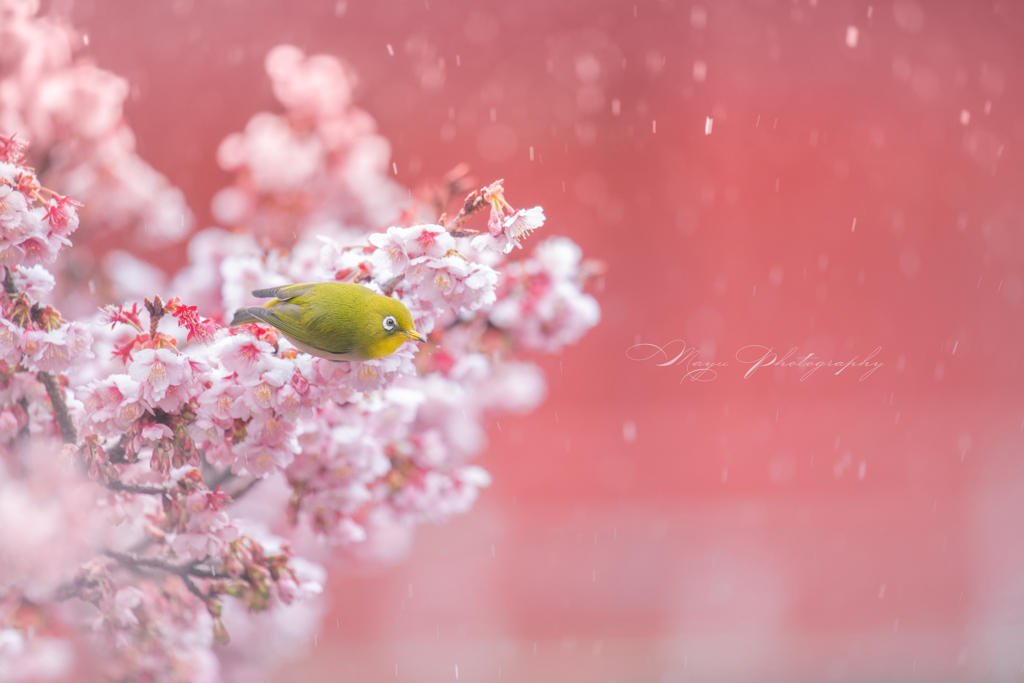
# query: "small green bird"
334, 320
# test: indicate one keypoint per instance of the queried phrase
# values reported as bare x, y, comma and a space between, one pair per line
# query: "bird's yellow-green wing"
297, 324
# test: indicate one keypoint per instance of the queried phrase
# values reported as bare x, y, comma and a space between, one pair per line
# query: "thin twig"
194, 588
23, 438
245, 489
68, 433
220, 479
474, 202
225, 477
389, 286
156, 312
455, 182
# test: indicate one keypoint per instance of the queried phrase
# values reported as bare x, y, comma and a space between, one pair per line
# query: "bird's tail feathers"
243, 317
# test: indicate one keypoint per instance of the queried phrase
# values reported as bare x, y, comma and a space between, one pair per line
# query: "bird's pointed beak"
416, 336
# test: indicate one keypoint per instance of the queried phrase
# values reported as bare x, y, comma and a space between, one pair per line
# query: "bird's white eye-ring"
389, 323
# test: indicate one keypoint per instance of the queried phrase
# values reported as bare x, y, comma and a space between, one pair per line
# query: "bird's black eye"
389, 323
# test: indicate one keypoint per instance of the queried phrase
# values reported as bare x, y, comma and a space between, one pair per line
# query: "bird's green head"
389, 324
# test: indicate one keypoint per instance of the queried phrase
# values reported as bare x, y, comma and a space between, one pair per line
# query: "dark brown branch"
24, 431
115, 485
116, 454
23, 437
68, 433
130, 560
9, 287
204, 573
220, 479
65, 592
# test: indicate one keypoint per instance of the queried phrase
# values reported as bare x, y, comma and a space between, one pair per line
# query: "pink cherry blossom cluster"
506, 226
319, 163
268, 406
541, 302
438, 282
33, 228
73, 113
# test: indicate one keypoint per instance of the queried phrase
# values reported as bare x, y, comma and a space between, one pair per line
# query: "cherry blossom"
397, 246
36, 281
506, 227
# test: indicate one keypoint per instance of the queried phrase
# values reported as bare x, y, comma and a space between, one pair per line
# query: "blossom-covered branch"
174, 417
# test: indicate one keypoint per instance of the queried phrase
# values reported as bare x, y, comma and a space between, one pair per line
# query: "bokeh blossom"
72, 112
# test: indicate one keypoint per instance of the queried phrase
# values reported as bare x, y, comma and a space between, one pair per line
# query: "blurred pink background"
857, 187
